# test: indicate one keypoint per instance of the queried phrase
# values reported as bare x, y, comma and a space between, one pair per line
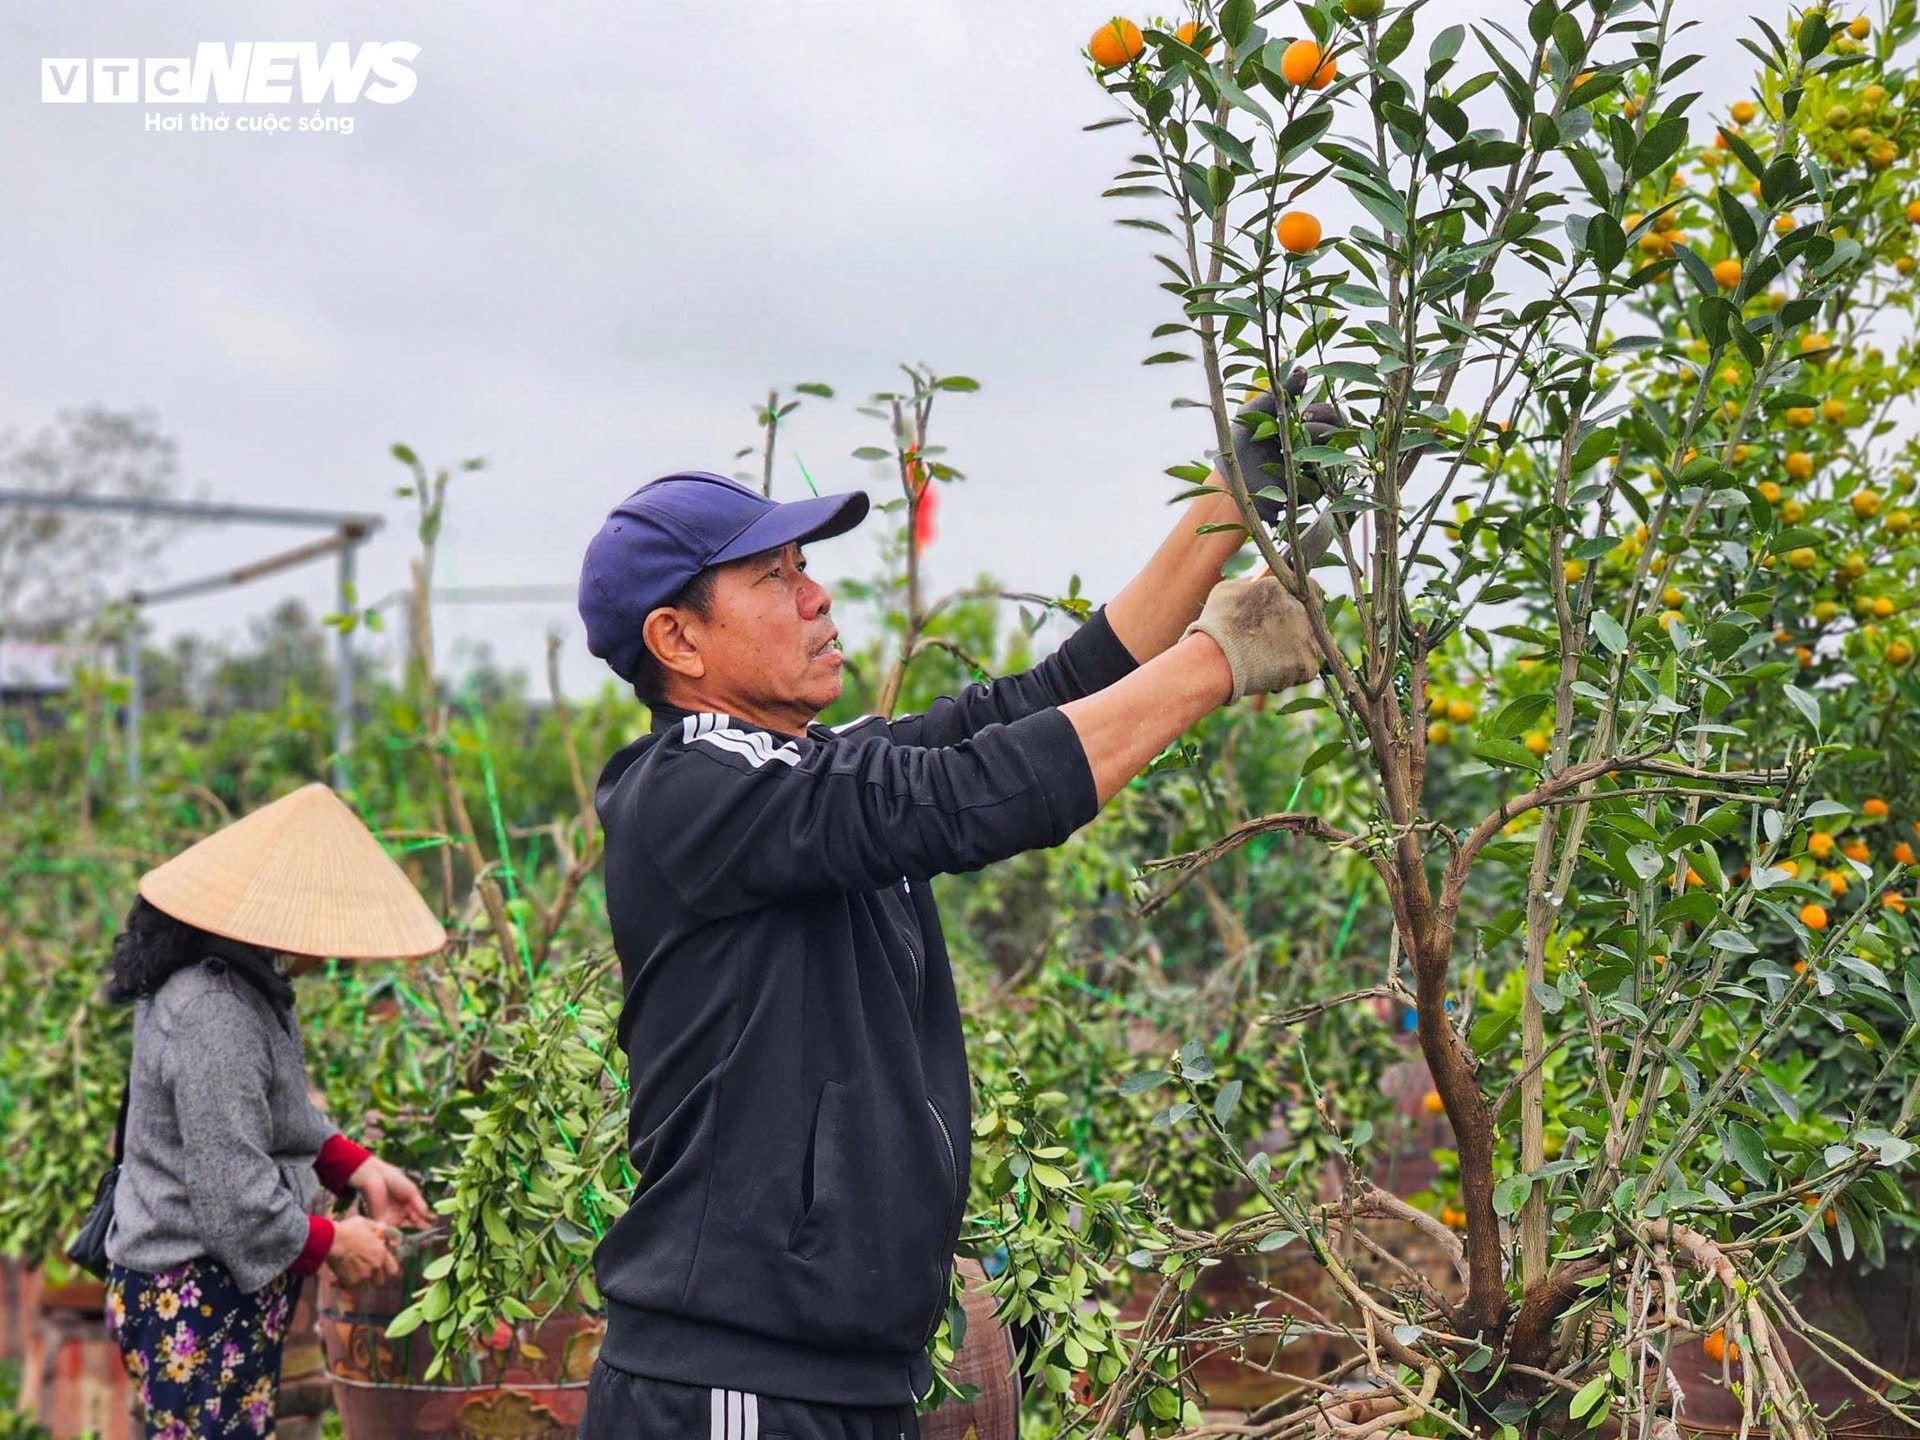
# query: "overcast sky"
585, 245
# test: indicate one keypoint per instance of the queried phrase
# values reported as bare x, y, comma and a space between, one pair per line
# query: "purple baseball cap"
668, 531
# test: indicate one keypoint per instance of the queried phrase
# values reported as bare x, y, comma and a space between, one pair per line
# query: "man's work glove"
1263, 461
1263, 631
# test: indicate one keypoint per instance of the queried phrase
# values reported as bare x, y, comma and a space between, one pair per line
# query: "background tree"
56, 563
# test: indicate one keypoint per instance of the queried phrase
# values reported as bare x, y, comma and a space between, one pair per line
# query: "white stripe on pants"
734, 1415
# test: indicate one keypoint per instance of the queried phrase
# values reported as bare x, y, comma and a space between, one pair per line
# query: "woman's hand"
390, 1195
361, 1251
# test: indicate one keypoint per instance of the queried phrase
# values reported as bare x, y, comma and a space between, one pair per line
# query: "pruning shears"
408, 1243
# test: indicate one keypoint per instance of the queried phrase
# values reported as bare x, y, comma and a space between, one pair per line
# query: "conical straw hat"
302, 876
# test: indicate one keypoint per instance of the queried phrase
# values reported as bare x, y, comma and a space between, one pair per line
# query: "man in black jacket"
800, 1102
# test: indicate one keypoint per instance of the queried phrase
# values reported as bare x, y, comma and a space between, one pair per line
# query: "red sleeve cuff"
314, 1253
337, 1161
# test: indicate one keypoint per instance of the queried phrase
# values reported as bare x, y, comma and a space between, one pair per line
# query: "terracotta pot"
534, 1387
1260, 1371
84, 1295
985, 1359
1291, 1283
19, 1307
305, 1391
1876, 1312
74, 1381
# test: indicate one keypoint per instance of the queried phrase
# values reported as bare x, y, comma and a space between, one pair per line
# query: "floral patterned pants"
204, 1354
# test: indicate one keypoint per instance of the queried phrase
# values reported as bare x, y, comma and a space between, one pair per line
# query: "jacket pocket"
822, 1173
868, 1242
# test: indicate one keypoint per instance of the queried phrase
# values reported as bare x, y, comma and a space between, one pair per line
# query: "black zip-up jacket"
801, 1108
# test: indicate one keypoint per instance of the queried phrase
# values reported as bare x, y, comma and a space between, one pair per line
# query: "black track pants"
631, 1407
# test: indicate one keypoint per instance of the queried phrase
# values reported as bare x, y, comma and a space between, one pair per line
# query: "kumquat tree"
1601, 428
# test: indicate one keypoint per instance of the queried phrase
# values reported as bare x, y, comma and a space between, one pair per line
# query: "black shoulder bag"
88, 1249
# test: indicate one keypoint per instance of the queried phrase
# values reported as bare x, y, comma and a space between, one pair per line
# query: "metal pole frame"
131, 659
353, 529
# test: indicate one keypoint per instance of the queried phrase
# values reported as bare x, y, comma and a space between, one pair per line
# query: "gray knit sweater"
221, 1136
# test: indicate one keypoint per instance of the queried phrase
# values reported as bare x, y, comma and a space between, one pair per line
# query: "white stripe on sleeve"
752, 746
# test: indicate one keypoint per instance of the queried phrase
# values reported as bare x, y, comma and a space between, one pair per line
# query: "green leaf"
1236, 20
1659, 145
1806, 704
1749, 1149
1645, 861
496, 1227
1606, 241
1237, 97
1517, 716
1301, 134
1387, 209
1740, 225
1716, 313
1321, 756
1505, 752
1588, 1396
1146, 1080
1789, 1107
407, 1321
1228, 143
1510, 1194
1607, 631
1226, 1100
1696, 906
1814, 33
1398, 36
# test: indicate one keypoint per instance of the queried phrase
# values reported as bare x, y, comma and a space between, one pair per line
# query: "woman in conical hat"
224, 1151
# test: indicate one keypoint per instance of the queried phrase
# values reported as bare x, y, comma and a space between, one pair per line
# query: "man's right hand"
361, 1251
1251, 636
1263, 632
